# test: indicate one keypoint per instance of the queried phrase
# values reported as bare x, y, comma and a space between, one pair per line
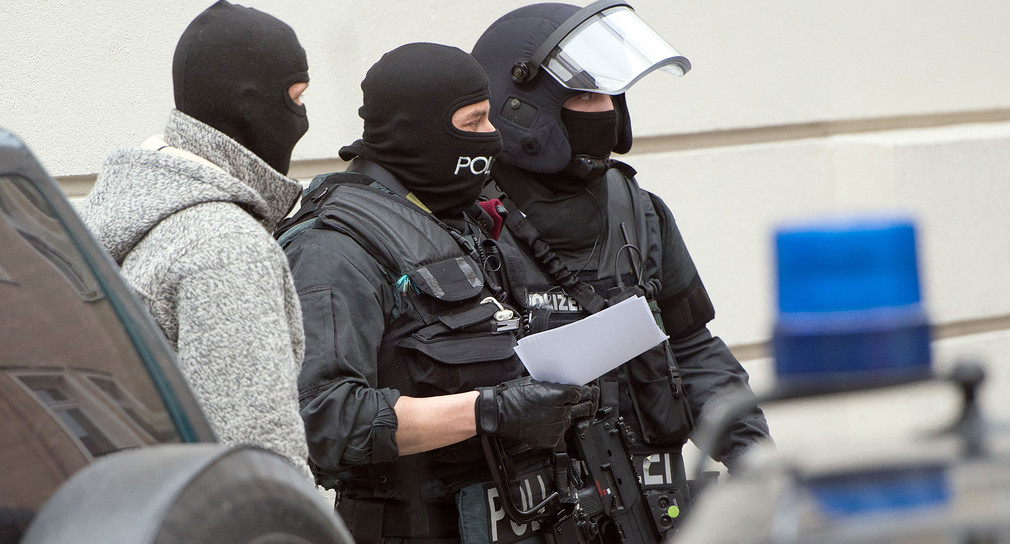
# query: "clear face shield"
604, 48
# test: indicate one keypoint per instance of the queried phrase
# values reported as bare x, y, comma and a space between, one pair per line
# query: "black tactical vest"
442, 338
647, 389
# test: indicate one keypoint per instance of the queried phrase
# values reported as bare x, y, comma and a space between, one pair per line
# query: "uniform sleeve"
236, 344
345, 299
708, 367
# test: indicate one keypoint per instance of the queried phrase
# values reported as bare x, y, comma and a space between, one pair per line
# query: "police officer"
558, 75
409, 344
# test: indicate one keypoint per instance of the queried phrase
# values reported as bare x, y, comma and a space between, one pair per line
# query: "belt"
370, 520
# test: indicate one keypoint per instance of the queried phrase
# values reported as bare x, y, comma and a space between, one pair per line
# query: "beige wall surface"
792, 108
80, 78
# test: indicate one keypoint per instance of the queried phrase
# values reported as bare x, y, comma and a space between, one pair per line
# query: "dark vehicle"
851, 323
101, 439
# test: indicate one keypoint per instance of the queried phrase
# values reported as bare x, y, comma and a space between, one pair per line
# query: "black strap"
375, 171
312, 201
527, 233
360, 170
385, 178
609, 391
486, 411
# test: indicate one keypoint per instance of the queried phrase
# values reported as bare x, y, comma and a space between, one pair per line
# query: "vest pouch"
538, 320
477, 317
451, 280
454, 361
464, 349
659, 399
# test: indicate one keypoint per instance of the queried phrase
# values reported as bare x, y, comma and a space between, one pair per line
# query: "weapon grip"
494, 453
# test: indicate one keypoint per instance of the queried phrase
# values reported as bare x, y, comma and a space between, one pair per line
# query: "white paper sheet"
580, 352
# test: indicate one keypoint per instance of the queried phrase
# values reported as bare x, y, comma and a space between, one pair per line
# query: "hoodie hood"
138, 188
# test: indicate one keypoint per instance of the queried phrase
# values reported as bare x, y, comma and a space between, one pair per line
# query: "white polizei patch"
555, 300
476, 165
501, 531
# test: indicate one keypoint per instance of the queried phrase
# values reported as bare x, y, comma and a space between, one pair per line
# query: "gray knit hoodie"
194, 241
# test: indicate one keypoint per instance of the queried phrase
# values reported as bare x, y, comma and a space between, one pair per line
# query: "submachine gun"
610, 503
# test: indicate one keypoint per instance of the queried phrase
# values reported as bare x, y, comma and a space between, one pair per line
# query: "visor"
611, 50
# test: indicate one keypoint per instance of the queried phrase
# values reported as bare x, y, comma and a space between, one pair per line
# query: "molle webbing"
404, 240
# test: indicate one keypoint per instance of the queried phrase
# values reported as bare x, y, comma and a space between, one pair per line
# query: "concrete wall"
793, 108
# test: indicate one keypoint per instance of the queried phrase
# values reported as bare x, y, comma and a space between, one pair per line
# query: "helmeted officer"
558, 75
409, 343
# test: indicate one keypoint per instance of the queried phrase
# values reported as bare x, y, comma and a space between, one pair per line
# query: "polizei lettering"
657, 470
477, 165
559, 301
503, 530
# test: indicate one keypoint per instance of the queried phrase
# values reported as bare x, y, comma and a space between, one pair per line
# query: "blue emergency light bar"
849, 302
881, 491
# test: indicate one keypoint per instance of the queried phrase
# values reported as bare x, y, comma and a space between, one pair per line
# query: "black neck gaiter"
232, 69
591, 133
570, 220
409, 96
591, 137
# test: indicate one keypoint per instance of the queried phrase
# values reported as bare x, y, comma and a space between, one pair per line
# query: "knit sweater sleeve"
235, 341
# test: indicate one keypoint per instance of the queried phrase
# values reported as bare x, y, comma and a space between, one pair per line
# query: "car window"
72, 385
33, 219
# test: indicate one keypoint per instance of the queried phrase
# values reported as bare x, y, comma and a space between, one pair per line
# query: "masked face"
232, 70
591, 124
410, 98
591, 134
480, 142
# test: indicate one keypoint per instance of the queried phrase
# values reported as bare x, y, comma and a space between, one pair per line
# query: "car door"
84, 371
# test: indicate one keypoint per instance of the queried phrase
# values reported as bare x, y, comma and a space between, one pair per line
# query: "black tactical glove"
525, 410
589, 404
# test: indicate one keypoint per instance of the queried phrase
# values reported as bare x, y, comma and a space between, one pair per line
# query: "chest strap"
527, 233
385, 178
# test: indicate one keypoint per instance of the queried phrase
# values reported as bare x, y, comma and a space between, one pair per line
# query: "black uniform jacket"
707, 367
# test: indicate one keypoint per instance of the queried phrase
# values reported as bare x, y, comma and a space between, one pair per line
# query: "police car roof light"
893, 489
849, 301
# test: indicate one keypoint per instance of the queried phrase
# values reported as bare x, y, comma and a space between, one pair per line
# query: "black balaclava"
232, 70
410, 95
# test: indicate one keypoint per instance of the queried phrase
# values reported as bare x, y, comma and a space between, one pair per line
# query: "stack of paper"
580, 352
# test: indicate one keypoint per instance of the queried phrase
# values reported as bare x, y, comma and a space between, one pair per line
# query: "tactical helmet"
537, 57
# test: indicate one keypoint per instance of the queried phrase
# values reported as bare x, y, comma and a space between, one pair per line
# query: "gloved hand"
589, 404
537, 413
